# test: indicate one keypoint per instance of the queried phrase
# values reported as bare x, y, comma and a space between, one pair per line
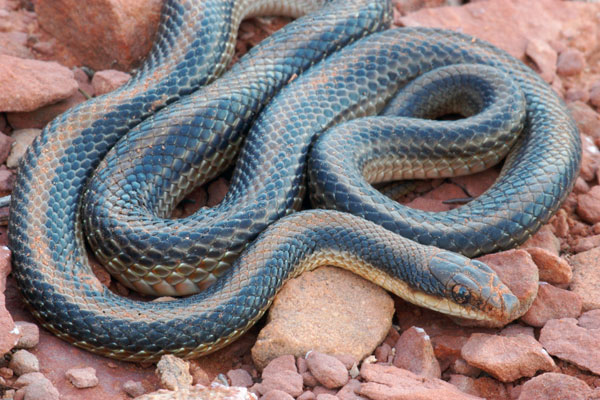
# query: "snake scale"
168, 150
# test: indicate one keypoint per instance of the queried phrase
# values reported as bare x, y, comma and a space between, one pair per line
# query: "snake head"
473, 291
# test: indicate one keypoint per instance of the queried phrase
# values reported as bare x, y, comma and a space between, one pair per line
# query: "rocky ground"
329, 334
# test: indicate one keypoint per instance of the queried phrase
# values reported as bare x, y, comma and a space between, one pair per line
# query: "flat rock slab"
30, 84
329, 310
565, 339
555, 386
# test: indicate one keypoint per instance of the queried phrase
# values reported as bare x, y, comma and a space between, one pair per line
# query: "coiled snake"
133, 197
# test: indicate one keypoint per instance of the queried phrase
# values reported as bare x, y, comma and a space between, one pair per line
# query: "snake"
286, 106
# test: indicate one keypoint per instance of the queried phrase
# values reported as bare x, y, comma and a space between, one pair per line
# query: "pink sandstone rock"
386, 382
30, 84
570, 62
552, 385
507, 358
414, 352
566, 340
106, 33
9, 334
586, 278
486, 388
108, 80
328, 370
551, 267
82, 377
588, 120
552, 303
588, 205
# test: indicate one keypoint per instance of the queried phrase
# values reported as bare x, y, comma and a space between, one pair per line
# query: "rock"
570, 62
28, 378
595, 94
5, 146
327, 396
328, 370
501, 22
588, 205
586, 278
350, 391
23, 362
460, 366
552, 303
30, 84
106, 34
506, 358
214, 392
174, 373
308, 395
544, 239
276, 395
414, 352
82, 377
84, 82
590, 320
328, 310
281, 363
14, 44
386, 382
486, 388
108, 80
513, 330
589, 158
7, 179
581, 186
586, 243
39, 390
30, 335
551, 267
478, 183
322, 390
544, 57
566, 340
7, 373
9, 333
42, 116
22, 139
518, 271
287, 381
555, 386
588, 120
133, 389
383, 352
217, 191
239, 377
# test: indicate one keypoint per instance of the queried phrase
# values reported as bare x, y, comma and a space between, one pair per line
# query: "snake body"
46, 235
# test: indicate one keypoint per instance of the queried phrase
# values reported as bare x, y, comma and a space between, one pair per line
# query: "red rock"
348, 360
555, 386
478, 183
488, 388
83, 80
276, 395
566, 340
383, 352
544, 57
214, 391
552, 268
544, 239
174, 373
328, 310
40, 117
501, 22
570, 62
217, 191
308, 395
590, 320
427, 204
588, 120
30, 335
22, 140
281, 363
506, 358
5, 146
518, 271
7, 180
308, 379
559, 223
82, 377
9, 334
552, 303
321, 390
576, 95
108, 80
40, 390
586, 278
414, 352
460, 366
327, 396
586, 243
513, 330
328, 370
6, 372
383, 382
589, 158
286, 381
14, 44
350, 391
30, 84
581, 186
106, 34
239, 377
588, 205
133, 389
28, 378
23, 362
595, 94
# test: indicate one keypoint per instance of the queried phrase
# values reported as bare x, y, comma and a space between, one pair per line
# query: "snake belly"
45, 234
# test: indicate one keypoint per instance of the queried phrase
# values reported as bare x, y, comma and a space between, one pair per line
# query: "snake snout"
475, 287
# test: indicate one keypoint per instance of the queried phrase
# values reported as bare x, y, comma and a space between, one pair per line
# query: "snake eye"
461, 294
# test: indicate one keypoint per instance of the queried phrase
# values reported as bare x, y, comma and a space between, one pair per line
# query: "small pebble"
23, 362
133, 389
328, 370
82, 377
570, 62
30, 335
240, 377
